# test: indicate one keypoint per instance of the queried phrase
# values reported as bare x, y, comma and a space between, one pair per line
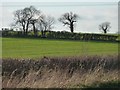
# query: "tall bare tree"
36, 14
69, 19
105, 27
33, 22
20, 19
25, 16
46, 24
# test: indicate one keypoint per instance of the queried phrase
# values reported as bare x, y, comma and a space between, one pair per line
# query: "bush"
64, 35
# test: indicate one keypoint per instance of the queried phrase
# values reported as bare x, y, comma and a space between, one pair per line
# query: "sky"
59, 0
91, 13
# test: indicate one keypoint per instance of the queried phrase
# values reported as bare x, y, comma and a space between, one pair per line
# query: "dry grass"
65, 72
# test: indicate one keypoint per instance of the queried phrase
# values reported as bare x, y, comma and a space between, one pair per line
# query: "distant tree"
69, 19
19, 20
105, 27
33, 22
25, 17
36, 14
46, 24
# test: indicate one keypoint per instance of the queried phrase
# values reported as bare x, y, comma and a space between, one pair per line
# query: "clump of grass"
59, 72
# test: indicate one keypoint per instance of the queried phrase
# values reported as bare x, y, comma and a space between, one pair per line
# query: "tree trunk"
43, 34
23, 26
27, 28
71, 27
35, 31
23, 30
105, 31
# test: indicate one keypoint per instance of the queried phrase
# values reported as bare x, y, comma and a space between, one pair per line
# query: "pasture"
35, 48
69, 64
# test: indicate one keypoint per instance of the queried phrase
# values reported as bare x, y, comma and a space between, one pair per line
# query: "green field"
35, 48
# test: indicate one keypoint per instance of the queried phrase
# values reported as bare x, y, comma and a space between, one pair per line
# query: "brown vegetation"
59, 72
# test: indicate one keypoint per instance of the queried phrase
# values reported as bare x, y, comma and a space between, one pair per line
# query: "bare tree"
69, 19
20, 19
105, 27
25, 16
46, 24
33, 22
36, 14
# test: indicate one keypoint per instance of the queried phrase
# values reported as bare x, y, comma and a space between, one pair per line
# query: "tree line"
32, 19
32, 22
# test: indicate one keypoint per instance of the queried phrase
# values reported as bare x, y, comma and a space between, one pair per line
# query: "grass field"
58, 71
35, 48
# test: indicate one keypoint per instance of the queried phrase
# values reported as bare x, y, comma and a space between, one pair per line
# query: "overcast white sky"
59, 0
91, 13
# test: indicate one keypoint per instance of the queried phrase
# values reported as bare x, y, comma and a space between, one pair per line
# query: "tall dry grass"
59, 72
